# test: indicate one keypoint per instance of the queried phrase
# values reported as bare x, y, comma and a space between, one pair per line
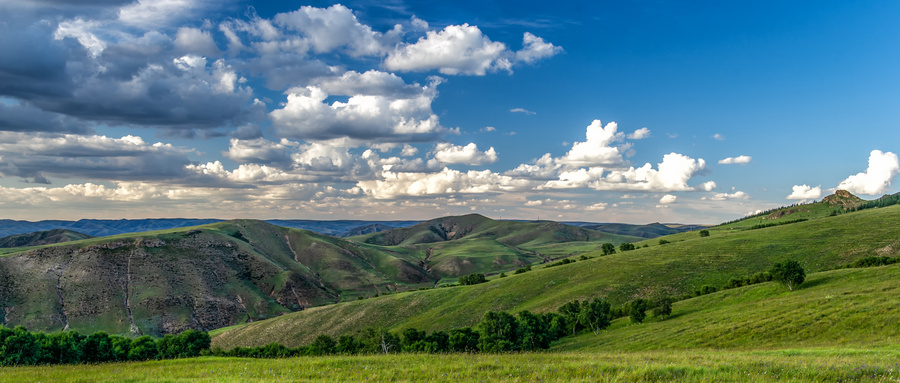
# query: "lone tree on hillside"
789, 273
608, 249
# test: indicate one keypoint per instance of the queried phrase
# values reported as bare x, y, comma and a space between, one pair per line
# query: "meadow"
793, 365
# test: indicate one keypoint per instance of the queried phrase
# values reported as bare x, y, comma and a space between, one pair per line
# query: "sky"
601, 111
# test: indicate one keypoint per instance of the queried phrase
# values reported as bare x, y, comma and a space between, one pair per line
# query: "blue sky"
693, 112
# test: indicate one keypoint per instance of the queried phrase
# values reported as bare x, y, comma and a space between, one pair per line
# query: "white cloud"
883, 166
447, 181
457, 49
667, 199
535, 48
718, 137
805, 192
521, 110
92, 157
597, 206
673, 174
727, 196
597, 149
334, 27
743, 160
408, 150
380, 118
488, 129
156, 13
543, 168
707, 186
260, 151
469, 155
639, 134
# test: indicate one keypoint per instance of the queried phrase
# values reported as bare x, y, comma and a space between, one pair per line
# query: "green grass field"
682, 266
794, 365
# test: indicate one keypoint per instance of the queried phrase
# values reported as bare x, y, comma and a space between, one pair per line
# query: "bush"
626, 247
607, 249
704, 233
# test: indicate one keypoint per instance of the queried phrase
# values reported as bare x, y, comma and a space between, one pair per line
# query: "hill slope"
204, 277
682, 266
42, 238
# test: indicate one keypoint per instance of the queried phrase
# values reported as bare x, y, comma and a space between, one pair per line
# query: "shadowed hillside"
39, 238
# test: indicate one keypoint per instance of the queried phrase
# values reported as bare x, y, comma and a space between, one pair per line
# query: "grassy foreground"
810, 365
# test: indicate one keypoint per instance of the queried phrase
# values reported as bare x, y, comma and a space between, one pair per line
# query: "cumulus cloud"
469, 155
379, 117
639, 134
883, 166
672, 175
805, 192
535, 48
18, 117
156, 13
742, 160
457, 49
193, 40
718, 137
667, 199
544, 168
260, 151
728, 196
597, 149
334, 27
446, 182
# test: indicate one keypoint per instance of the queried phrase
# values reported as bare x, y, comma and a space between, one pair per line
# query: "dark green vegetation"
221, 274
727, 258
648, 231
20, 347
41, 238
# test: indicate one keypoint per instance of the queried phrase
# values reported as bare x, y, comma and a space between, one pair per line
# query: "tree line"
20, 347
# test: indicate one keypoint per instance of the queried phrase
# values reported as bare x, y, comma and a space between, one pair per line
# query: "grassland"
682, 266
795, 365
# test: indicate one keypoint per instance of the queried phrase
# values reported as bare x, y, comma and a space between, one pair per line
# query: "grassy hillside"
41, 238
842, 308
679, 267
203, 277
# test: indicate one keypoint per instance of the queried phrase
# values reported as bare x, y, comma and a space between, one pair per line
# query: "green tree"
463, 340
322, 345
18, 347
499, 331
570, 311
347, 344
637, 310
595, 315
607, 249
704, 233
143, 348
98, 348
534, 332
662, 307
789, 273
626, 247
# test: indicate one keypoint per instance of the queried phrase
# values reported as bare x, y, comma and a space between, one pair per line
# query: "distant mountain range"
336, 228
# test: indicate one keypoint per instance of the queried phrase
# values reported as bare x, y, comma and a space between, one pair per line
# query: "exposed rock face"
844, 198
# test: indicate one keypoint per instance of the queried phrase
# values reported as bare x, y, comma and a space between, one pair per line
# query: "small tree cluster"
626, 247
704, 233
525, 269
472, 279
18, 347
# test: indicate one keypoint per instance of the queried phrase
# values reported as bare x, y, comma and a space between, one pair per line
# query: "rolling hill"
40, 238
225, 273
682, 266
